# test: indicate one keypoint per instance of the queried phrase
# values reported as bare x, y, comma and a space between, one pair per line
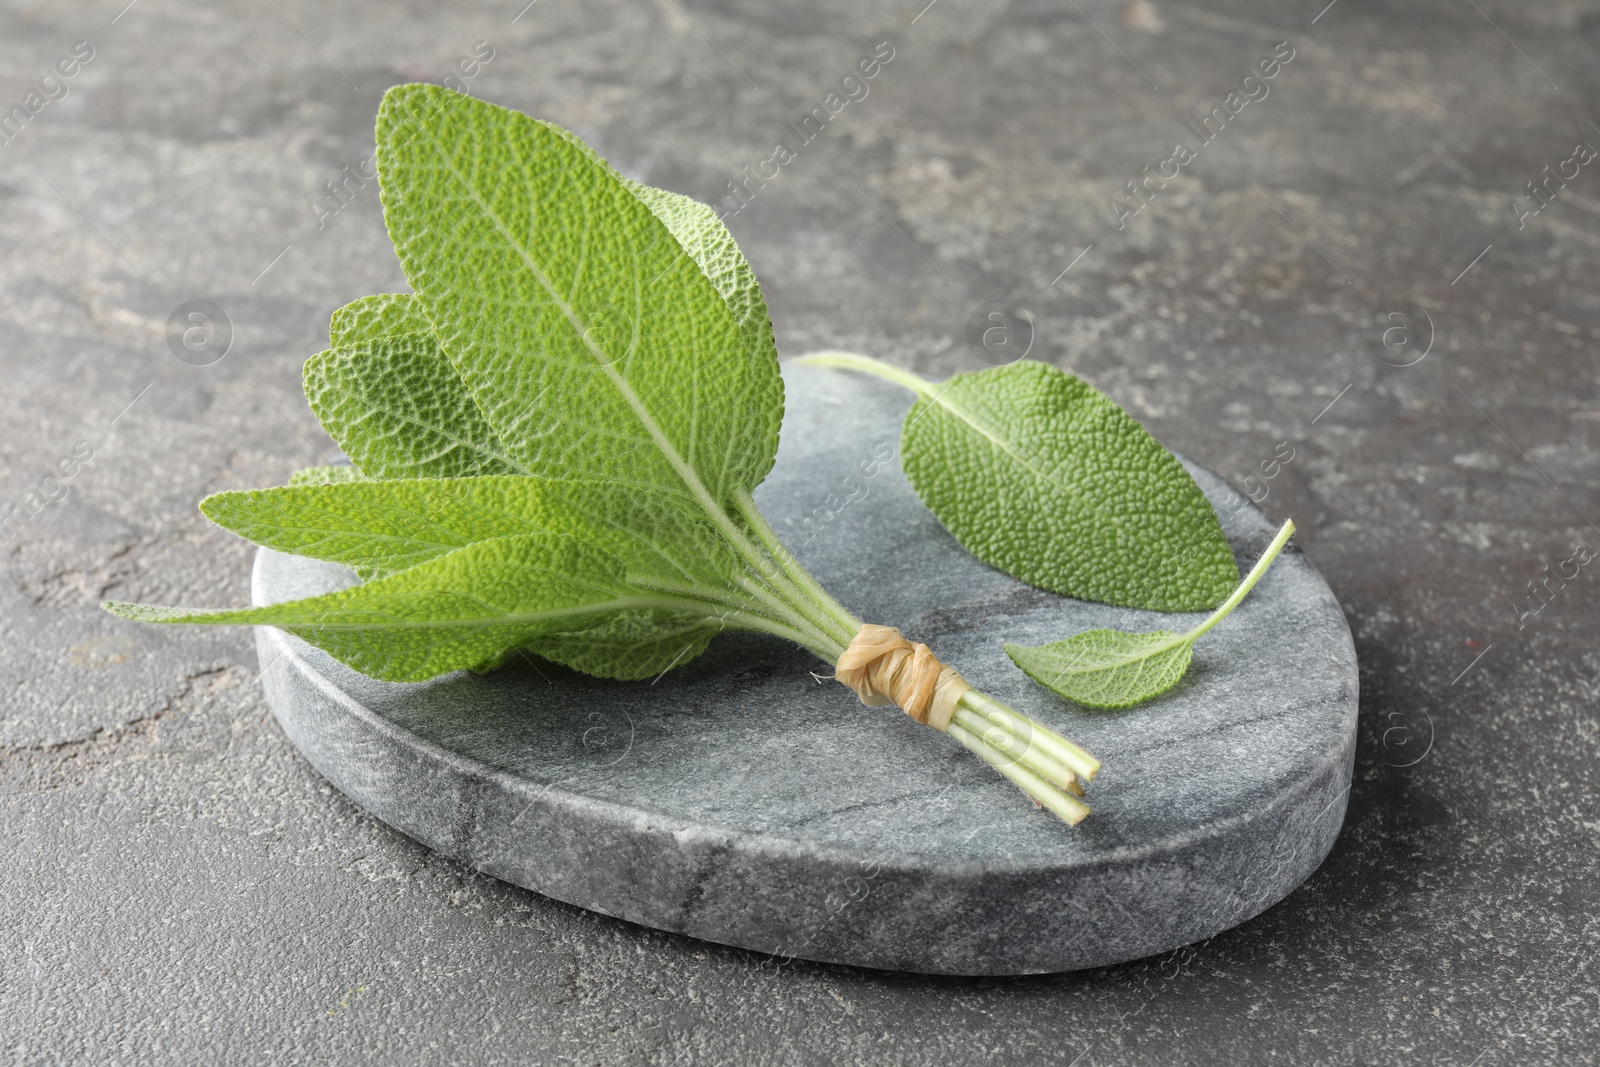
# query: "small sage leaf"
1114, 669
1107, 668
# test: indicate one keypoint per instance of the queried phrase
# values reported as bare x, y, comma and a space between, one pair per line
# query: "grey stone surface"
180, 885
737, 800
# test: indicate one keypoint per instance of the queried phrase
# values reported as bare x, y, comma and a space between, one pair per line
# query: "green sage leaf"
1108, 668
382, 527
450, 613
397, 408
324, 476
547, 280
372, 318
1039, 474
1115, 669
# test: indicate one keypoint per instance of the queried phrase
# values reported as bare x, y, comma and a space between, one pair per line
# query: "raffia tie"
884, 668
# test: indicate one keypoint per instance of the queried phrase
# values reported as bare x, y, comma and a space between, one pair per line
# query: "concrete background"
179, 886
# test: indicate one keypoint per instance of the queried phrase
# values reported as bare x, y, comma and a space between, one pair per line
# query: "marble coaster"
741, 800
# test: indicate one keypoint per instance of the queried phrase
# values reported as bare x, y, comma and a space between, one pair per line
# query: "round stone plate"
745, 799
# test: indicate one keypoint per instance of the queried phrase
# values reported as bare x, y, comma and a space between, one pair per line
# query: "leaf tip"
396, 95
223, 508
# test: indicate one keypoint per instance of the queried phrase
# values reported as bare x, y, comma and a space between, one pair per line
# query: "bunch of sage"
554, 441
555, 437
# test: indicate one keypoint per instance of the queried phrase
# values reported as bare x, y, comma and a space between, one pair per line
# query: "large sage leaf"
1043, 476
459, 610
381, 527
592, 344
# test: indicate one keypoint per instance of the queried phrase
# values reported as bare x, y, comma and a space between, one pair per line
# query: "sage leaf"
397, 408
1040, 475
452, 612
580, 293
379, 528
706, 241
1114, 669
1108, 668
391, 399
325, 475
371, 318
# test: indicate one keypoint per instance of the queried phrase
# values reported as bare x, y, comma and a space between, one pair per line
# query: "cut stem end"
882, 667
1060, 802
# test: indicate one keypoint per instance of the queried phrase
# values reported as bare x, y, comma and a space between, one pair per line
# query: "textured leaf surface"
393, 400
593, 346
384, 527
450, 613
371, 318
324, 476
379, 528
707, 241
375, 317
630, 645
397, 408
1107, 668
1113, 669
704, 239
1043, 476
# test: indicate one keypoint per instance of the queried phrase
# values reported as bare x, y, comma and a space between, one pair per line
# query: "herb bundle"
555, 437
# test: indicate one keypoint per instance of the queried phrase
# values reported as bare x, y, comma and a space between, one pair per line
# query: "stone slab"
738, 800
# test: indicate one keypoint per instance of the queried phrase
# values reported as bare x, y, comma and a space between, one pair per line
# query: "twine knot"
884, 668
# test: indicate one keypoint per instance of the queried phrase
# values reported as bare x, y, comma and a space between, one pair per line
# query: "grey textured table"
181, 886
